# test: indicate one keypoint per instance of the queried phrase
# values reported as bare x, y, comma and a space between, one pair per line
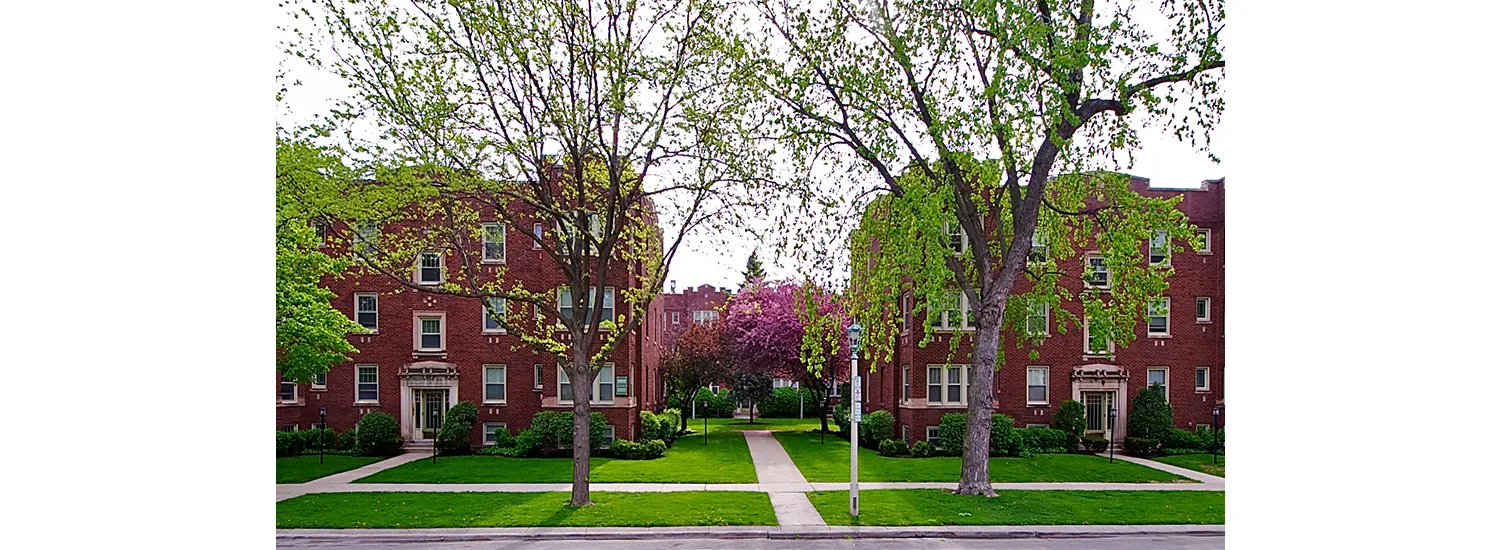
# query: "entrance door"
1096, 406
428, 408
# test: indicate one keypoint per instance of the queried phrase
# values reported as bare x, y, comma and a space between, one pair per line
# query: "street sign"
854, 401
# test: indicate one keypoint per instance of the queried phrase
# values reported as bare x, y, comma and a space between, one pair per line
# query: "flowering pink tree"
793, 331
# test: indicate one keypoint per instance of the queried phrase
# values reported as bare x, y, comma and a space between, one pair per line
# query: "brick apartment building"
426, 352
1182, 350
670, 315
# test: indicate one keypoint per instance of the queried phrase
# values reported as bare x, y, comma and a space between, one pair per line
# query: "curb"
771, 533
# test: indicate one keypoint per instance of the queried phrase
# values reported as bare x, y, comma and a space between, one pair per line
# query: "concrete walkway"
1209, 479
289, 490
371, 536
782, 481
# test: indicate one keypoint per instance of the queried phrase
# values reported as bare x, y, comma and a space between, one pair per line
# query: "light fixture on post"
1112, 412
323, 421
1216, 435
855, 408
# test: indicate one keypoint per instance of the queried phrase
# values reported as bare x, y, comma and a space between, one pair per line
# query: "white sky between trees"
719, 260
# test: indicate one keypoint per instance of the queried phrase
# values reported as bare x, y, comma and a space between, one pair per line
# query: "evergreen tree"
753, 268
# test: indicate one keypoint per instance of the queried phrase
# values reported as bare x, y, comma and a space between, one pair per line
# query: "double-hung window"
946, 384
905, 383
1097, 272
366, 386
1206, 236
536, 232
1157, 315
288, 392
430, 268
676, 317
956, 313
320, 381
494, 384
494, 243
429, 333
934, 384
705, 317
1038, 247
536, 377
932, 436
1203, 310
489, 431
495, 311
1037, 317
565, 303
1159, 249
1096, 342
604, 386
609, 435
1156, 379
1200, 379
957, 239
595, 230
367, 310
906, 314
366, 238
1036, 385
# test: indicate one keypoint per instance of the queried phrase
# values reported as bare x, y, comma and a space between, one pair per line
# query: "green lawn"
773, 424
829, 461
726, 459
1202, 462
302, 469
938, 507
419, 510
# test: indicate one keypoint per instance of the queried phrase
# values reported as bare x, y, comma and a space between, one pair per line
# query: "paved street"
1170, 542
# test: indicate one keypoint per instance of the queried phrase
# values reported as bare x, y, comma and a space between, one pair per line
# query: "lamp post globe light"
1112, 412
1216, 435
323, 423
855, 408
435, 433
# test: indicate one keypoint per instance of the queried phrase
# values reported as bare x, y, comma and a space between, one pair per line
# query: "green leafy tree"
311, 336
1150, 415
750, 387
593, 120
985, 130
1070, 418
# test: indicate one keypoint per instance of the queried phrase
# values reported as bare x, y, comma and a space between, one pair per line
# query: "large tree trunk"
974, 479
582, 380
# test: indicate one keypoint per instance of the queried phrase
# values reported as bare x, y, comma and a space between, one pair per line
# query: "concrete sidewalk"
782, 481
1195, 475
740, 532
289, 490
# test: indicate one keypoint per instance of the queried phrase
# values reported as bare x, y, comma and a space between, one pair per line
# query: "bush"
1150, 416
1178, 438
1044, 440
786, 402
841, 419
1209, 439
345, 442
378, 435
951, 434
455, 436
503, 438
1002, 435
1070, 418
1095, 443
921, 449
876, 426
284, 444
554, 430
632, 450
671, 421
714, 405
1142, 446
891, 447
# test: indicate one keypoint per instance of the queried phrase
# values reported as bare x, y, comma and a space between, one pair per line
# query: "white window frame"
484, 243
316, 385
905, 383
562, 380
965, 311
1046, 319
609, 435
536, 373
906, 315
932, 436
1208, 241
1039, 247
951, 229
1088, 281
1109, 348
1165, 309
705, 317
504, 384
906, 434
376, 312
1204, 311
358, 383
484, 316
281, 395
488, 437
1165, 246
1207, 379
442, 332
1166, 377
596, 229
536, 233
1046, 384
609, 299
676, 317
946, 384
421, 258
366, 238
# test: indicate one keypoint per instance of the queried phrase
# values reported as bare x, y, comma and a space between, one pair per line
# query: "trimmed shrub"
671, 421
786, 402
1209, 439
345, 442
503, 438
284, 444
1070, 418
1150, 416
891, 447
1178, 438
632, 450
455, 436
841, 419
552, 432
714, 405
1142, 446
951, 431
378, 435
1044, 440
875, 427
1002, 435
921, 449
1095, 443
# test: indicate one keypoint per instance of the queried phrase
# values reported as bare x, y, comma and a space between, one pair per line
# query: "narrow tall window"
288, 390
366, 388
564, 386
955, 384
565, 302
431, 270
906, 313
676, 318
1036, 385
431, 337
1095, 340
494, 384
536, 231
1157, 314
496, 310
494, 243
1203, 309
957, 239
932, 436
1156, 379
367, 310
536, 380
1200, 379
320, 381
1206, 236
1037, 313
934, 384
905, 383
608, 311
606, 384
1098, 272
366, 238
1159, 250
1038, 247
609, 435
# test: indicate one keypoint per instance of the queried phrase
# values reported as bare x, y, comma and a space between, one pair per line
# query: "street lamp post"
323, 420
1112, 413
1216, 435
435, 435
855, 409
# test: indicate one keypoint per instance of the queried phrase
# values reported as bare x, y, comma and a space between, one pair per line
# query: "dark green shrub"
528, 443
921, 449
378, 435
714, 405
345, 442
503, 438
875, 427
671, 421
1070, 418
1209, 439
1142, 446
1002, 435
891, 447
1178, 438
632, 450
841, 419
1044, 440
284, 444
1150, 416
455, 436
1094, 443
951, 430
553, 431
786, 402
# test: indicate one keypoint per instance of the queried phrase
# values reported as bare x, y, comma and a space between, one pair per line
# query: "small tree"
1070, 418
754, 271
752, 387
1150, 415
699, 359
793, 331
